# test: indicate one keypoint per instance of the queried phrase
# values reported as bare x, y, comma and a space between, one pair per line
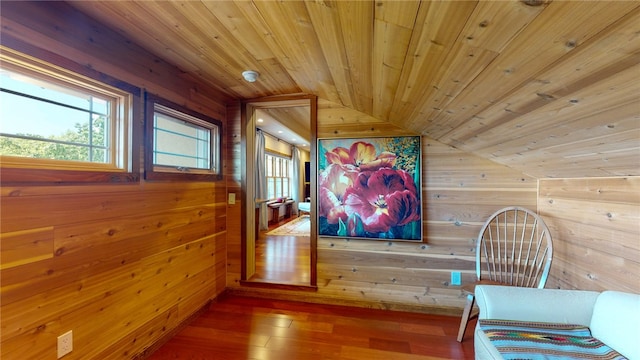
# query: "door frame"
248, 129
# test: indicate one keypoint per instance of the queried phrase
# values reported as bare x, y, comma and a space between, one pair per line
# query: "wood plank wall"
596, 227
120, 265
234, 185
459, 191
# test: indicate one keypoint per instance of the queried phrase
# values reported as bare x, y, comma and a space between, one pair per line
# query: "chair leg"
465, 316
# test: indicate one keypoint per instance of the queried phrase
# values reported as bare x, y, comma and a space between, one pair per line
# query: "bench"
275, 206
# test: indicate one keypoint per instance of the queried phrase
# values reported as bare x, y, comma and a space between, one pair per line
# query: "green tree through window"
78, 144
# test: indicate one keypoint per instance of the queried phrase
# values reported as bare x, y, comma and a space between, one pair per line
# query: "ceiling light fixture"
250, 75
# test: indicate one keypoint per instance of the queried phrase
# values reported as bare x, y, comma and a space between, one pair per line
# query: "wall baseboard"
276, 293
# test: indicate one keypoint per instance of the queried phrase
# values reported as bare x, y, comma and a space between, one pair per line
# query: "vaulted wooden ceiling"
550, 88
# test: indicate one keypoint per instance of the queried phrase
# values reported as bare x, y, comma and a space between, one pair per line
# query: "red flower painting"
370, 189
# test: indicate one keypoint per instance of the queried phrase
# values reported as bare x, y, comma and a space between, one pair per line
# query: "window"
182, 144
57, 120
278, 171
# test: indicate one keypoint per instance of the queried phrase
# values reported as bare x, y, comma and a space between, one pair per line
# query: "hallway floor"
282, 259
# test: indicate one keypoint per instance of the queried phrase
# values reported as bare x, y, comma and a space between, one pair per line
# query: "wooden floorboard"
282, 259
237, 327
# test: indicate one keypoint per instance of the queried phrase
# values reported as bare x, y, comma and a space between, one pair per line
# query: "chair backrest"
514, 248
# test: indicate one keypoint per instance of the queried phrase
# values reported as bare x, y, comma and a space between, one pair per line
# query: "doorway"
278, 106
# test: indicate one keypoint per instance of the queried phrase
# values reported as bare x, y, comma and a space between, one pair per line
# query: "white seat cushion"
304, 206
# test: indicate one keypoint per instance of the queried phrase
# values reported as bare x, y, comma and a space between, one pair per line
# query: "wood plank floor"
282, 259
250, 328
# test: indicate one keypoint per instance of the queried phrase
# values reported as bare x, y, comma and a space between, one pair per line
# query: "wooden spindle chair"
514, 248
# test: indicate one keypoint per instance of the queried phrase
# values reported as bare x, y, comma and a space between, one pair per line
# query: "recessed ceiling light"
260, 120
279, 131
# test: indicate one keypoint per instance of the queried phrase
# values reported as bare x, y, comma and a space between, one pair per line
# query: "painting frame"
370, 188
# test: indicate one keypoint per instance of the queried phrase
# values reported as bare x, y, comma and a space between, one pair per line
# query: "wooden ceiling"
547, 87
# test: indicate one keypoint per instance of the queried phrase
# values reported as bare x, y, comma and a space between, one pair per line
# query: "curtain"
261, 179
295, 178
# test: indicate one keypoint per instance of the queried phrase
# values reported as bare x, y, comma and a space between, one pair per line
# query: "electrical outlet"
232, 198
456, 278
65, 343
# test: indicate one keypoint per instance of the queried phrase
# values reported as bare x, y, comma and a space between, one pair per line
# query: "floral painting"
370, 188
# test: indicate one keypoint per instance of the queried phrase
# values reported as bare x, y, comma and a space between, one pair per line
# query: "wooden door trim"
275, 101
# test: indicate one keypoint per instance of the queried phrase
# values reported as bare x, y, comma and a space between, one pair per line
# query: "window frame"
170, 173
277, 157
36, 171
